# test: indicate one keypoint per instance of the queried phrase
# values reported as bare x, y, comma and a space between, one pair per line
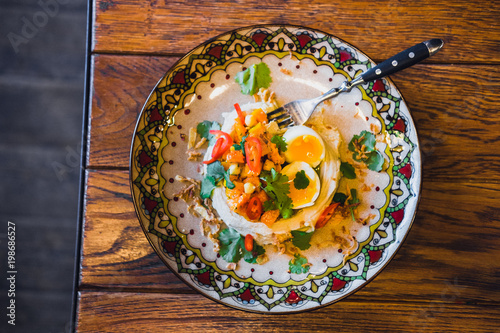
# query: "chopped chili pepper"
241, 115
254, 208
223, 143
249, 243
326, 215
253, 151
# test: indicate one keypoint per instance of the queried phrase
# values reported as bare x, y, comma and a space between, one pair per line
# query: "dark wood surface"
444, 278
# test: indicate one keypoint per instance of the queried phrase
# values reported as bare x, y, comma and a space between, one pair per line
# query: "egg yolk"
306, 148
303, 196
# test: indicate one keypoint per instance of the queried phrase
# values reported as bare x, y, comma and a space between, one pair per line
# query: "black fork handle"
402, 60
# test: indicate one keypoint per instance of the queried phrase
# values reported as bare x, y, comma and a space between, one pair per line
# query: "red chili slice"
254, 208
249, 243
223, 143
253, 151
326, 215
241, 115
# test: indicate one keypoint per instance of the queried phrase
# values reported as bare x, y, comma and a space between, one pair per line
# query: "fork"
299, 111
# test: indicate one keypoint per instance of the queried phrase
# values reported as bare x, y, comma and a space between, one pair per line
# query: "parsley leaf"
301, 239
253, 78
301, 181
278, 188
347, 170
363, 148
298, 265
232, 247
279, 142
251, 257
339, 197
204, 128
241, 145
269, 205
215, 173
207, 186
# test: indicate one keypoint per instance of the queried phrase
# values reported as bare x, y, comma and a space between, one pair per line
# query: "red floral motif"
378, 85
338, 284
179, 78
144, 159
406, 171
293, 298
400, 125
375, 255
215, 51
169, 247
155, 115
259, 38
149, 204
246, 295
204, 278
398, 215
344, 56
303, 39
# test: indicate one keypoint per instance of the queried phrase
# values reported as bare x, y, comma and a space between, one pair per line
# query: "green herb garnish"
279, 142
347, 170
298, 265
301, 239
363, 148
241, 145
215, 173
232, 247
253, 78
203, 129
301, 181
277, 188
353, 202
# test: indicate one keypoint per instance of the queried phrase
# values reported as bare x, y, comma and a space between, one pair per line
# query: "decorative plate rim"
399, 242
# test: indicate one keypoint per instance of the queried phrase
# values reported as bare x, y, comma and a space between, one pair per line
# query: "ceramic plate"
303, 63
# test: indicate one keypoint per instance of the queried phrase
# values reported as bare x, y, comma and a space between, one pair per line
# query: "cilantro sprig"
363, 148
277, 188
301, 239
203, 129
301, 181
215, 174
347, 170
232, 247
241, 145
253, 78
280, 143
298, 264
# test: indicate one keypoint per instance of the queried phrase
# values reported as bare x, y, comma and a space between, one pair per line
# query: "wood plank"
455, 109
115, 251
117, 312
452, 244
469, 28
120, 88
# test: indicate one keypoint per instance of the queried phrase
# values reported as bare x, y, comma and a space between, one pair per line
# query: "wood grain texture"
121, 86
448, 251
118, 312
470, 29
455, 109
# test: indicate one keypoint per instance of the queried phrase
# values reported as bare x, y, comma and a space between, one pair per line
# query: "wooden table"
444, 278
